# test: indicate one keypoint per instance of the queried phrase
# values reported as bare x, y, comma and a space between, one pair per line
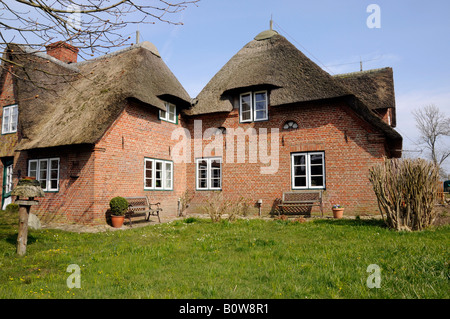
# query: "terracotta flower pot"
117, 221
338, 213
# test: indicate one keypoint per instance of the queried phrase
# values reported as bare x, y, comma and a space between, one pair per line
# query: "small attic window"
290, 125
9, 119
170, 114
253, 106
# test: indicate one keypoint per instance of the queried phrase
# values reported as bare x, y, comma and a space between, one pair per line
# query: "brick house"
269, 121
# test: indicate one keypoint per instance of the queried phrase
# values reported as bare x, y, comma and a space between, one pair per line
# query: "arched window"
221, 130
290, 125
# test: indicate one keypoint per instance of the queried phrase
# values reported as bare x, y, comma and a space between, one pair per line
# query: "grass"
245, 259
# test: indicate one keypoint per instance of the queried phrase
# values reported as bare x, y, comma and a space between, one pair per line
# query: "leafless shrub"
406, 190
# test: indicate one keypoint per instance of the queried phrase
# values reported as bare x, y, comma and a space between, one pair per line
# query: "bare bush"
406, 190
216, 206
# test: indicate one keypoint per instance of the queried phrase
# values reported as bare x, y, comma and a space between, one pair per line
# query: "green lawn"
245, 259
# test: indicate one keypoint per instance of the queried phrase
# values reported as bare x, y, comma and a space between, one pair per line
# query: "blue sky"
414, 39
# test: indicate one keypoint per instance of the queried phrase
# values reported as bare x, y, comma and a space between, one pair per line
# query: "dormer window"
9, 120
170, 114
253, 107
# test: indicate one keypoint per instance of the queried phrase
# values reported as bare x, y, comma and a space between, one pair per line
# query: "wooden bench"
140, 206
306, 198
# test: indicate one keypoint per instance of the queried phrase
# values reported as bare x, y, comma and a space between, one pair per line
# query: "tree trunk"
22, 237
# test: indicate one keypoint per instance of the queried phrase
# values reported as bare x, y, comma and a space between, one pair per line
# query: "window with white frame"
46, 171
253, 106
9, 120
209, 173
308, 170
158, 174
170, 114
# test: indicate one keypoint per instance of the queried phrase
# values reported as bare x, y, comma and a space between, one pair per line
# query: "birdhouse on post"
25, 191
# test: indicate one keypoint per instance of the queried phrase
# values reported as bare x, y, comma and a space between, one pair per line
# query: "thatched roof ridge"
374, 87
271, 62
78, 106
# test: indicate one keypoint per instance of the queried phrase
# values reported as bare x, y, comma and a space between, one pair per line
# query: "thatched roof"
374, 87
78, 102
271, 62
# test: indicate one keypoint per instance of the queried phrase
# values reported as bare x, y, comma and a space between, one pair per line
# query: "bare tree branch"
434, 127
93, 26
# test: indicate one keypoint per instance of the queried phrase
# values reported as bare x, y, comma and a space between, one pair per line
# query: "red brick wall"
91, 176
74, 202
119, 161
350, 146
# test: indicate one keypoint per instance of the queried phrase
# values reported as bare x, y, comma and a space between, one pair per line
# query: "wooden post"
22, 237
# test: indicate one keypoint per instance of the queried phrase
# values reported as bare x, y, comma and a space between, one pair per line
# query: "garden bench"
306, 198
140, 206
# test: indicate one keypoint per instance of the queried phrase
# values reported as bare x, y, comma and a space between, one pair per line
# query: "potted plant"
119, 206
338, 211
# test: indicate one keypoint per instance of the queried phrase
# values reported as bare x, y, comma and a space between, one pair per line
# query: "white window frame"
164, 180
307, 170
253, 107
48, 172
10, 121
266, 108
9, 178
168, 115
209, 177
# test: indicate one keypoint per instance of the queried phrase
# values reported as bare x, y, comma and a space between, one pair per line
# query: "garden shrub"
406, 190
118, 205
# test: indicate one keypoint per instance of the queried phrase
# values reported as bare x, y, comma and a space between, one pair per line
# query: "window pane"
215, 173
299, 159
32, 169
215, 164
216, 183
246, 116
202, 173
245, 102
54, 184
168, 176
300, 170
246, 107
260, 105
162, 114
148, 173
260, 115
316, 181
54, 174
6, 120
300, 181
261, 96
316, 170
202, 183
316, 158
54, 164
171, 113
14, 116
158, 175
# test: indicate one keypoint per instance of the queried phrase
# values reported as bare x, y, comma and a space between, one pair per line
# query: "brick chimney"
63, 51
